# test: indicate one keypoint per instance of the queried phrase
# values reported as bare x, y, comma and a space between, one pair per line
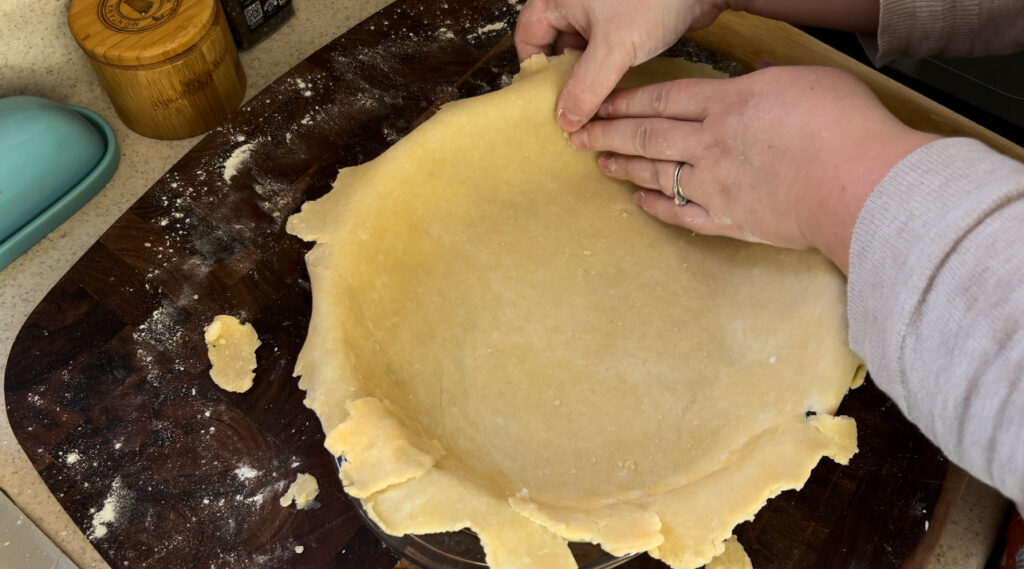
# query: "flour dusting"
246, 472
161, 327
237, 158
107, 515
496, 26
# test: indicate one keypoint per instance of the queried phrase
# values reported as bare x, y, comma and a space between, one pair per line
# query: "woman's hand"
784, 155
614, 36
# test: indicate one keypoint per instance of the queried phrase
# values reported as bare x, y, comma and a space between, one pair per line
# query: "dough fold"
388, 452
502, 341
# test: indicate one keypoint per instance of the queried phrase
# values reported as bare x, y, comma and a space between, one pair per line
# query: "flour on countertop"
101, 520
237, 158
161, 327
272, 559
246, 472
489, 28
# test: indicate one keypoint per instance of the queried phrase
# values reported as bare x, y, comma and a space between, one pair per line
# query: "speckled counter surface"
39, 57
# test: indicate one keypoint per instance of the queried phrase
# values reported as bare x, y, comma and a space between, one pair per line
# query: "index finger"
683, 99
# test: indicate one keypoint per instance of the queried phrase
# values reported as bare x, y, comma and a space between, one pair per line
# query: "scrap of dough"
501, 340
734, 557
303, 491
232, 350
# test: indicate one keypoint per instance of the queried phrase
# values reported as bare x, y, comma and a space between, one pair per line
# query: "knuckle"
643, 138
611, 106
659, 100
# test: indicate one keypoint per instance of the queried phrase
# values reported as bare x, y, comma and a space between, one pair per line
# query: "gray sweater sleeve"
964, 28
936, 302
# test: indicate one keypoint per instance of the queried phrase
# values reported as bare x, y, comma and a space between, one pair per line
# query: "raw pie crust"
502, 340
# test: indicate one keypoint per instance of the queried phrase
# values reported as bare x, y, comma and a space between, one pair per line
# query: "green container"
53, 159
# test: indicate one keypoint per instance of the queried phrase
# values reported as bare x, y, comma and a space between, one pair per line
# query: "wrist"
831, 224
849, 15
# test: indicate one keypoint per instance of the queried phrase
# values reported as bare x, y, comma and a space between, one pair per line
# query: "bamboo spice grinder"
169, 67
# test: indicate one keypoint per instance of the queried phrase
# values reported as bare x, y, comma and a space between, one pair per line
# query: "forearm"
849, 15
915, 28
832, 221
935, 304
967, 28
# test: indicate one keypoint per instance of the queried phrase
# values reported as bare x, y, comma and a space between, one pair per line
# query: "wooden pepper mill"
170, 67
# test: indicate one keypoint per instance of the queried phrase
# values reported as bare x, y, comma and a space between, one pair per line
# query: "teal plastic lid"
53, 159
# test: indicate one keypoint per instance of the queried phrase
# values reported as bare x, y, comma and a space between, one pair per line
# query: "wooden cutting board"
107, 386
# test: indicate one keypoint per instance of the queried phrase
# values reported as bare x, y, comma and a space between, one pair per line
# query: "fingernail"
605, 109
579, 139
568, 121
638, 198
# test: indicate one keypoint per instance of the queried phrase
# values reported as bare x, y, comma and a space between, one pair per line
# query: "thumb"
596, 73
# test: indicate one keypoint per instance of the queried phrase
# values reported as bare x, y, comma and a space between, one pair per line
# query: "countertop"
39, 57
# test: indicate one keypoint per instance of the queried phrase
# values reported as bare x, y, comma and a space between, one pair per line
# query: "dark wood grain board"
107, 386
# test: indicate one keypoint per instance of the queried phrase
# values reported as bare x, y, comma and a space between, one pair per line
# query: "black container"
251, 21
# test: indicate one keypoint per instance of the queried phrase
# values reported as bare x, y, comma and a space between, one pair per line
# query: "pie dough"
231, 347
502, 340
302, 492
734, 557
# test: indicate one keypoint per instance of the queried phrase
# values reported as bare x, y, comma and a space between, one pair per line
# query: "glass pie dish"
462, 550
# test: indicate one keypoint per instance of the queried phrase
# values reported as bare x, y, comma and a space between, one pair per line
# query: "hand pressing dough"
303, 491
502, 340
231, 346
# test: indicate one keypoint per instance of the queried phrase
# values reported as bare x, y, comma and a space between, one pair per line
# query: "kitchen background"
39, 57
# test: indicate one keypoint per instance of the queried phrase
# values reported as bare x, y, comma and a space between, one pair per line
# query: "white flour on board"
488, 28
237, 158
107, 515
246, 472
161, 327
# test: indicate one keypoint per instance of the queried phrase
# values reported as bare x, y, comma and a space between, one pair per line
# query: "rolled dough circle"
522, 351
